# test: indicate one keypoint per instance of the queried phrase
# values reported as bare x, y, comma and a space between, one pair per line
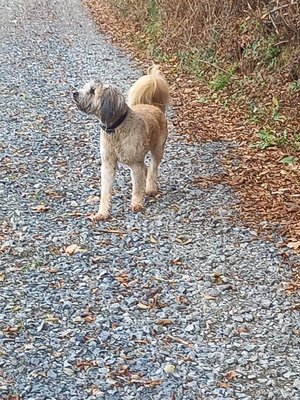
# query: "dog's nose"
75, 95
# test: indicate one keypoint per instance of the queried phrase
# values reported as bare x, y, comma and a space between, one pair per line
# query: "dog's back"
150, 89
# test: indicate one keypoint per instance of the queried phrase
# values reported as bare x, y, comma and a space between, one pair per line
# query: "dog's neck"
114, 126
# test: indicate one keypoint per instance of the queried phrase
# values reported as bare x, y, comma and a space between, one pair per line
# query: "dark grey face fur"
103, 101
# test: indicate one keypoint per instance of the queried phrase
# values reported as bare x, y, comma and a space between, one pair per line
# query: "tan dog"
129, 132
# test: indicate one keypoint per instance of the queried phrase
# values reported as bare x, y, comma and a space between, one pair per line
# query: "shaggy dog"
128, 133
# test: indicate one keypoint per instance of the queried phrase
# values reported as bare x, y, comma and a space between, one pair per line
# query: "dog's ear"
113, 105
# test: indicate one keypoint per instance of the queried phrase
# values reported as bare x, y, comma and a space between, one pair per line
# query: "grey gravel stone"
93, 325
296, 384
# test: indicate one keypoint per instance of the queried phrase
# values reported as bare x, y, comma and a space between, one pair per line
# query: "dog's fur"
144, 129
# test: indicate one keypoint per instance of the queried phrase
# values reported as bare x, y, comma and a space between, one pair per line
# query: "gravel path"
175, 303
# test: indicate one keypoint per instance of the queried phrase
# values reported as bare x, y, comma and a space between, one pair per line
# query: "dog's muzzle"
76, 96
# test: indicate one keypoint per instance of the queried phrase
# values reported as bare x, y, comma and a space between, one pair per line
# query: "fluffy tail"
150, 89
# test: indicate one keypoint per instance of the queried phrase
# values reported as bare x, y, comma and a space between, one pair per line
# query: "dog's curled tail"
150, 89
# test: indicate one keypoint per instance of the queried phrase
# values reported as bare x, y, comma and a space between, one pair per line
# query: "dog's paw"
151, 188
151, 192
98, 217
137, 207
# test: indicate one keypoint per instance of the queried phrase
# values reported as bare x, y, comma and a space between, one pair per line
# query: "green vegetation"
289, 160
271, 139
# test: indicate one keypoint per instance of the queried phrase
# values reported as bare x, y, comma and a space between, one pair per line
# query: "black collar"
111, 128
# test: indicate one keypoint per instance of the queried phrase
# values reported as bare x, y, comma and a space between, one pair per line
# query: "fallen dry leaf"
231, 375
12, 331
53, 194
222, 384
55, 250
86, 364
111, 230
143, 306
52, 271
177, 261
183, 241
208, 296
180, 299
148, 382
294, 245
218, 280
164, 322
140, 341
179, 340
187, 241
153, 293
96, 392
90, 318
40, 208
51, 319
153, 240
159, 279
75, 213
4, 247
73, 249
217, 277
123, 279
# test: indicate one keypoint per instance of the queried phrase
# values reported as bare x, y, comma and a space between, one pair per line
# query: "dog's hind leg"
151, 181
108, 173
138, 175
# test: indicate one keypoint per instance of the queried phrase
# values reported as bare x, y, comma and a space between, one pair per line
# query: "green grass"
289, 141
268, 139
221, 81
295, 85
289, 160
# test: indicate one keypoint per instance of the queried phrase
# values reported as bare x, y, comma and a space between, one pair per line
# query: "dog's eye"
92, 90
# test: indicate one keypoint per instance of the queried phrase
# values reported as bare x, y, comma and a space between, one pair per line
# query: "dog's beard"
86, 104
86, 108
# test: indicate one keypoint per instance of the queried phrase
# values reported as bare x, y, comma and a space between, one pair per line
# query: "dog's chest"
127, 149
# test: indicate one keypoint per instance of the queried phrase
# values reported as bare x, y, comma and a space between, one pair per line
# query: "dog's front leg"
108, 173
138, 175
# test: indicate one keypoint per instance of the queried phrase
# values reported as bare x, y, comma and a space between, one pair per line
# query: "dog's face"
103, 101
88, 97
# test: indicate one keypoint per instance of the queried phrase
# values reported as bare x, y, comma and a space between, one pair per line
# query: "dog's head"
104, 101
